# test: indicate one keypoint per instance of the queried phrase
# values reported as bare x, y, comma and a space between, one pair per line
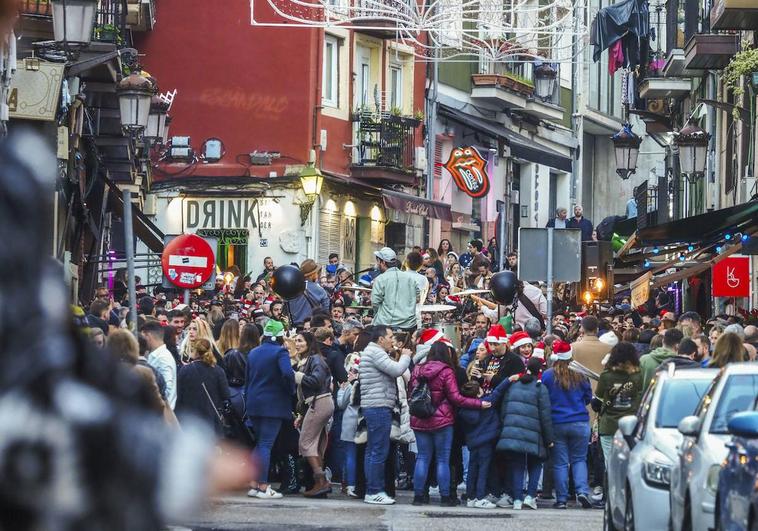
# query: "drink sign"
467, 166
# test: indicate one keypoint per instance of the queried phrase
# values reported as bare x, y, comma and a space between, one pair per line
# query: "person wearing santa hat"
522, 344
427, 338
570, 393
500, 364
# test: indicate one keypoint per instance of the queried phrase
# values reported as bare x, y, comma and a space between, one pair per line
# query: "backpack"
420, 402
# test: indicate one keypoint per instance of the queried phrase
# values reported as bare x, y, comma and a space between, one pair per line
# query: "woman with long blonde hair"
230, 336
728, 349
197, 329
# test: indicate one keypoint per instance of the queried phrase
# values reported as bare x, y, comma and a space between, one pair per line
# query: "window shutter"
329, 235
438, 159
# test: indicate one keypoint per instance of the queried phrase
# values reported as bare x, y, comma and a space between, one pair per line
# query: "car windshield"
739, 394
679, 398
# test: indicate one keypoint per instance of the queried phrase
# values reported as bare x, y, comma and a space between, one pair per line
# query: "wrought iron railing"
110, 22
386, 140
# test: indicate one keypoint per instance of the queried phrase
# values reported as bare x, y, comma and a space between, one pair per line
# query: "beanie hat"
561, 351
496, 334
609, 338
539, 350
519, 339
273, 328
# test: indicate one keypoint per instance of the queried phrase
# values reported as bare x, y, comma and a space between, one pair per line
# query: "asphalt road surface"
295, 513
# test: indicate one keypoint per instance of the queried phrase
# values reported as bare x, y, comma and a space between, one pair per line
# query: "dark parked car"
737, 498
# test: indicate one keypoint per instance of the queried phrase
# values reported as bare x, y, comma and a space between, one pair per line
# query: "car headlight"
712, 483
656, 470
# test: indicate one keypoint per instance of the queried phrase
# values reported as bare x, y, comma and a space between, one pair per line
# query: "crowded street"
378, 265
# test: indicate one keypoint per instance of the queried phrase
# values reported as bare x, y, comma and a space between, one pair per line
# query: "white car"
644, 450
694, 479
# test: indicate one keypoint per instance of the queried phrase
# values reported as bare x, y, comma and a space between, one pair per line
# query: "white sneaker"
328, 475
492, 498
382, 498
485, 504
461, 486
268, 494
530, 503
597, 494
434, 491
517, 505
253, 492
471, 503
505, 501
351, 491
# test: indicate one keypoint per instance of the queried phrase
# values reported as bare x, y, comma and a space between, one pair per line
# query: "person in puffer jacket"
434, 435
527, 432
481, 428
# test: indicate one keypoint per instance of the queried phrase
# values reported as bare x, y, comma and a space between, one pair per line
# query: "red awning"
411, 204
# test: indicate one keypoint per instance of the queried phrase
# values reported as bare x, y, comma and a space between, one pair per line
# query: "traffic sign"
533, 253
188, 261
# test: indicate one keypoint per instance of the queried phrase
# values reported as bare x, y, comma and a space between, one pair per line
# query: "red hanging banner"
731, 277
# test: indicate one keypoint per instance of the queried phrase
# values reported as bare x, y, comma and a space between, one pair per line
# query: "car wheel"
608, 524
687, 514
629, 511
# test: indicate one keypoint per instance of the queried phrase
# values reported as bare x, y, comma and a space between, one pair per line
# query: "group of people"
347, 384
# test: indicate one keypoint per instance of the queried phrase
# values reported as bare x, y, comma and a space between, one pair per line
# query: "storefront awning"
411, 204
521, 146
144, 229
703, 227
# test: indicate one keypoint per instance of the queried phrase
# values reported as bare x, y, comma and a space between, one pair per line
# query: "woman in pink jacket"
434, 435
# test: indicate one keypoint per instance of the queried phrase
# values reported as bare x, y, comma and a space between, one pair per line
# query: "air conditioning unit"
421, 158
180, 148
150, 208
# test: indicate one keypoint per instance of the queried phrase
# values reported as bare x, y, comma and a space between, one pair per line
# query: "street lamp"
692, 142
627, 147
544, 81
134, 95
73, 20
156, 120
311, 180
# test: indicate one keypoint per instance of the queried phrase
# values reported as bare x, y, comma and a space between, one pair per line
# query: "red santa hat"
539, 350
519, 339
496, 334
430, 336
561, 351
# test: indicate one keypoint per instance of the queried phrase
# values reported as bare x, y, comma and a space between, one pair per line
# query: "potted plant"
108, 33
744, 63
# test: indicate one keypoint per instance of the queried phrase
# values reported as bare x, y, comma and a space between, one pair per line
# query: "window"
679, 399
231, 247
330, 84
738, 395
396, 87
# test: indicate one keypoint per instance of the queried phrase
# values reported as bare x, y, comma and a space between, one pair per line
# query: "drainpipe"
431, 122
576, 118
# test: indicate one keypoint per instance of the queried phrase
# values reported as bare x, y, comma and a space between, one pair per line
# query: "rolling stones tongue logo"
466, 166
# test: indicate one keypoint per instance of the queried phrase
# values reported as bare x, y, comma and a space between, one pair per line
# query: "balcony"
385, 148
655, 87
374, 17
518, 93
710, 51
734, 14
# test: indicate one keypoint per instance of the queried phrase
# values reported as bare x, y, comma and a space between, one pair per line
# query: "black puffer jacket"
527, 426
317, 377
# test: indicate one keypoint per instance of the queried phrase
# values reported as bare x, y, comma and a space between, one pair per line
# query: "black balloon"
288, 281
504, 285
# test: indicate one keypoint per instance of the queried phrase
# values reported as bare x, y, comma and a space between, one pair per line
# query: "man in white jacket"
378, 373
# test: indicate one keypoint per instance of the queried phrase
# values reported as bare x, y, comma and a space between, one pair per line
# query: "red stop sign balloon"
188, 261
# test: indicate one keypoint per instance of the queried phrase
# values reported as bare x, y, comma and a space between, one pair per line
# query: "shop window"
394, 234
231, 248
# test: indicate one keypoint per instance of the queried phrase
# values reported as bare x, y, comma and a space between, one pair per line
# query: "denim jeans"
520, 465
433, 444
606, 442
350, 463
571, 442
478, 469
266, 429
335, 452
379, 426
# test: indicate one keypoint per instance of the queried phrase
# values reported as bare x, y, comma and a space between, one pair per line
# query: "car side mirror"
744, 424
627, 425
689, 426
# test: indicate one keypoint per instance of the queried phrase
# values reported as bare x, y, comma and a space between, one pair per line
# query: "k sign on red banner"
188, 261
731, 277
